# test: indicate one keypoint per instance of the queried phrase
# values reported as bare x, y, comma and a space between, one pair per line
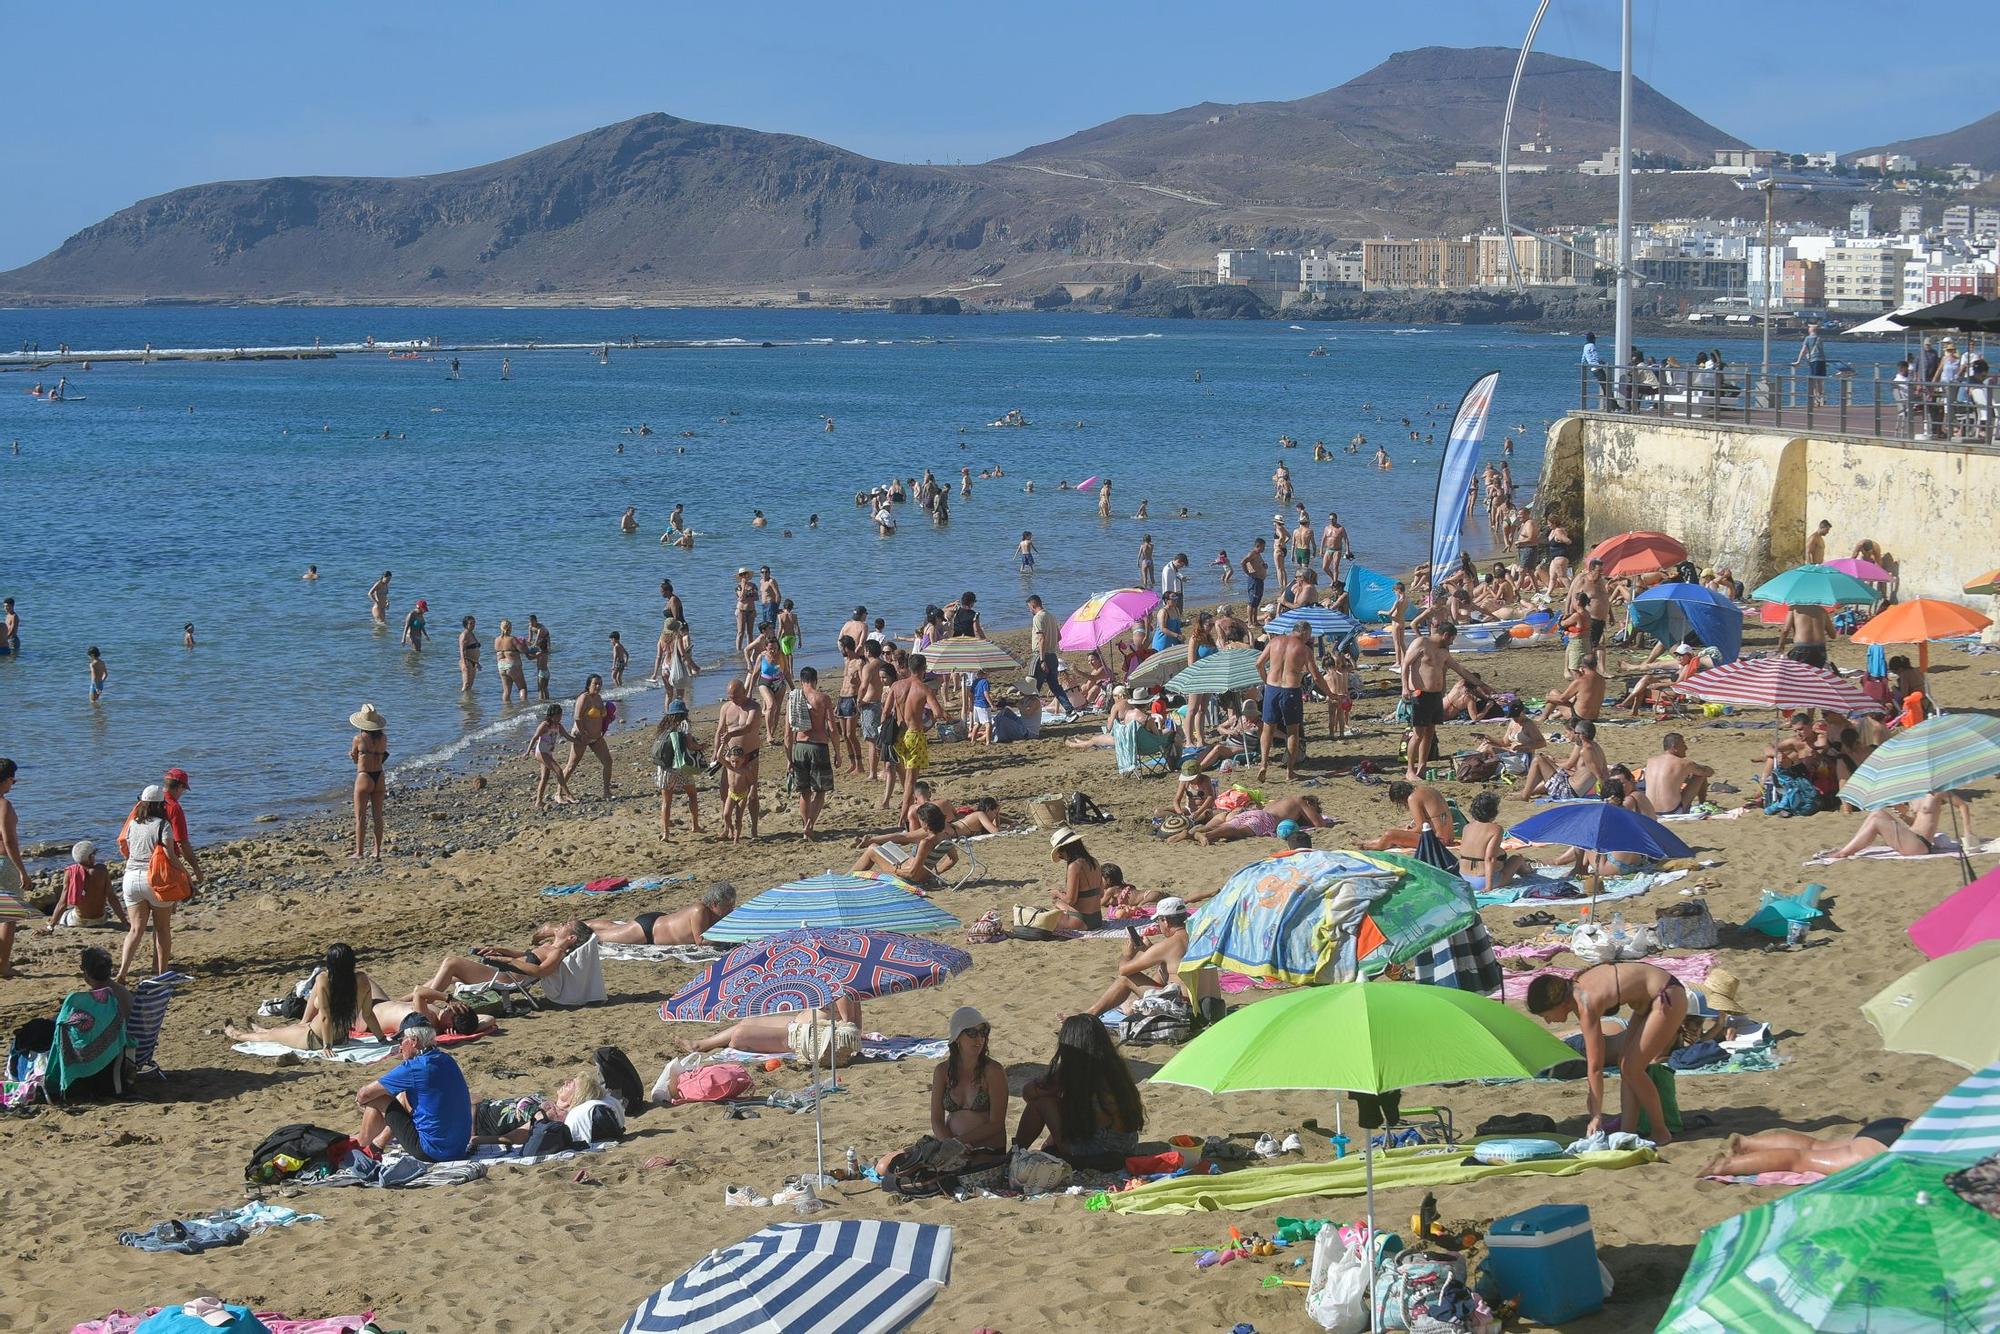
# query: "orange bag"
164, 875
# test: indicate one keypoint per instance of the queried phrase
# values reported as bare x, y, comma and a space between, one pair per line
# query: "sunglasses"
980, 1031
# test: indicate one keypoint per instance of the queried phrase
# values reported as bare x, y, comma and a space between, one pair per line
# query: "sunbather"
1259, 821
1909, 830
497, 963
1575, 775
680, 927
1479, 846
1152, 968
772, 1032
1086, 1108
576, 1104
1426, 806
341, 1002
1793, 1151
918, 860
1659, 1004
969, 1087
444, 1014
1122, 899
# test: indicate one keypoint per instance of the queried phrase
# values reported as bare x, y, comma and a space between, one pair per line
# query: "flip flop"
1537, 918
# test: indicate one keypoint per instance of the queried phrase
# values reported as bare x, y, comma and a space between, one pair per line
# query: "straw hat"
366, 719
1717, 994
1062, 838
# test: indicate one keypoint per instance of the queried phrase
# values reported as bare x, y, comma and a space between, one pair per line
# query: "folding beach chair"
148, 1017
1139, 749
966, 869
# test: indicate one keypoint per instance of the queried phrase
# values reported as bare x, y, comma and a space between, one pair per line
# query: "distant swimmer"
645, 429
187, 635
312, 572
1197, 377
628, 522
1382, 459
1029, 488
378, 598
1140, 513
828, 421
757, 519
454, 368
813, 521
687, 435
506, 368
964, 482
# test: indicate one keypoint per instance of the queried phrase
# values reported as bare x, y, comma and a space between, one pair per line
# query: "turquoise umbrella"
1938, 754
1224, 670
1816, 586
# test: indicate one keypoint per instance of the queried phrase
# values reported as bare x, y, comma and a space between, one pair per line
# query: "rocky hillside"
1977, 144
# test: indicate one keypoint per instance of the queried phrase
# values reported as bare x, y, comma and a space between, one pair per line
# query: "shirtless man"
1594, 592
1333, 545
847, 708
1302, 544
1285, 662
1255, 571
875, 678
854, 627
904, 730
739, 736
10, 624
1426, 806
1816, 543
811, 747
1579, 774
378, 599
1582, 697
1806, 629
1479, 845
681, 927
1156, 967
1423, 672
1674, 783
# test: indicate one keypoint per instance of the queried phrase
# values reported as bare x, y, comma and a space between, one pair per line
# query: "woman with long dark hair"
1087, 1103
969, 1087
340, 1004
1079, 904
148, 828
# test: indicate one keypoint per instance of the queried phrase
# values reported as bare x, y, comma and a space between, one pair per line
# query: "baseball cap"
177, 775
1286, 828
153, 792
1170, 907
414, 1019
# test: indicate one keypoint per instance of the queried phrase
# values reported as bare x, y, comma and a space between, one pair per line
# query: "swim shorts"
913, 749
1284, 706
1812, 655
845, 707
1256, 591
871, 721
1427, 710
812, 766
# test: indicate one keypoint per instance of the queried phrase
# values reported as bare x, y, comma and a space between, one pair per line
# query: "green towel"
90, 1034
1256, 1187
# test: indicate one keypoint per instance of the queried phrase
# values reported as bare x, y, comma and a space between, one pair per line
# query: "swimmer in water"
98, 673
628, 522
312, 573
1382, 459
812, 521
378, 599
187, 635
757, 519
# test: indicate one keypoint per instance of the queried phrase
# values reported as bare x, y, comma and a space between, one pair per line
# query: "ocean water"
183, 491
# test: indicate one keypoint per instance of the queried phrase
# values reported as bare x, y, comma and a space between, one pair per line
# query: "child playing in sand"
542, 747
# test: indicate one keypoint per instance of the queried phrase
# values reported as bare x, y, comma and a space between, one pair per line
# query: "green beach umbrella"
1815, 586
1222, 671
1157, 667
1942, 1009
1938, 754
1883, 1246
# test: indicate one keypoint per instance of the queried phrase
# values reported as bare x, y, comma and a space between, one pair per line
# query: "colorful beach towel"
1772, 1179
689, 954
1431, 1165
632, 886
874, 1047
122, 1322
1618, 887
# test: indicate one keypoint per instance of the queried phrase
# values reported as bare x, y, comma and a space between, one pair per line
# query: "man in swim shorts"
904, 706
876, 676
739, 735
1674, 783
1285, 662
809, 729
1424, 669
1255, 571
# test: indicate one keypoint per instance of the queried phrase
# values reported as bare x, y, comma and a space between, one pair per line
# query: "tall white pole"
1621, 334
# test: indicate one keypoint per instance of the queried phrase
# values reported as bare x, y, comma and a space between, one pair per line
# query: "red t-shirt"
178, 818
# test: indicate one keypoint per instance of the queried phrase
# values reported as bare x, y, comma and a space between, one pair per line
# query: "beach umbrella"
1668, 612
1220, 672
1943, 315
1939, 754
1867, 571
861, 902
1637, 553
856, 1276
1884, 1246
1934, 1010
1364, 1037
1919, 621
1107, 616
968, 653
1961, 921
1816, 586
810, 968
1600, 826
1777, 683
1985, 583
1155, 670
1964, 1123
1326, 623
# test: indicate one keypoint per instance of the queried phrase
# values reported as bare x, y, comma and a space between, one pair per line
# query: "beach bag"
821, 1043
1033, 1172
548, 1137
1082, 810
712, 1083
1791, 794
1406, 1290
296, 1149
1164, 1018
1685, 926
621, 1078
678, 674
927, 1168
491, 1001
1337, 1301
1474, 768
164, 876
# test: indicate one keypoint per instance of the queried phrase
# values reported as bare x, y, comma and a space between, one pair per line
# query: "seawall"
1746, 496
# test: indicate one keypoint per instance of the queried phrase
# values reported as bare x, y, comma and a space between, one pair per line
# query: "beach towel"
1772, 1179
1430, 1165
1618, 887
1945, 845
122, 1322
224, 1227
355, 1051
90, 1035
689, 954
874, 1047
1736, 813
619, 885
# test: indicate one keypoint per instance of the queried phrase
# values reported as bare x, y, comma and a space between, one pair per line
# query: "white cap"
1170, 907
153, 792
83, 852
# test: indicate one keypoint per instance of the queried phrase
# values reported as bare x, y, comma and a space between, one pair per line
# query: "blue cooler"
1547, 1257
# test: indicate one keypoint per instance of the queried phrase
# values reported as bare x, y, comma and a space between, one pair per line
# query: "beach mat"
874, 1047
1986, 848
1771, 1179
1619, 887
633, 886
1259, 1187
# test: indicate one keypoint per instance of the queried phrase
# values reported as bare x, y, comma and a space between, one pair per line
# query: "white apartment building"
1865, 278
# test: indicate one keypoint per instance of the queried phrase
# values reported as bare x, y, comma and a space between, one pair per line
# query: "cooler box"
1547, 1257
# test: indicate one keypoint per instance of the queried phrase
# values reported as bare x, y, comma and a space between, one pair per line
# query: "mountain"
1977, 144
1417, 111
662, 210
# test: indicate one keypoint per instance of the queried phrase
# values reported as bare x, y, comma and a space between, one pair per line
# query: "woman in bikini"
969, 1087
746, 608
468, 653
370, 753
497, 963
587, 735
1909, 830
1659, 1005
1079, 904
764, 666
1795, 1151
507, 658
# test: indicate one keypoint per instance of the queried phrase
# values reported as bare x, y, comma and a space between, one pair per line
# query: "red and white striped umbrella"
1777, 683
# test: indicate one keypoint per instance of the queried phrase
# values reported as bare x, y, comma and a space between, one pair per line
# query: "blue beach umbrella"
1325, 622
871, 902
1667, 612
856, 1276
1600, 826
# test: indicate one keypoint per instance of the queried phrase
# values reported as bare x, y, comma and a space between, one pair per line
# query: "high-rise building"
1866, 278
1861, 220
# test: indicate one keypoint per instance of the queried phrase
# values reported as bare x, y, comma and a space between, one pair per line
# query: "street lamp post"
1770, 188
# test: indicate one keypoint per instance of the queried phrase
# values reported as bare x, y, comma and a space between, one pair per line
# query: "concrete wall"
1746, 497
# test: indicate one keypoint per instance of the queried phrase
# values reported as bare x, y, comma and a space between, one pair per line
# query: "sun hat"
366, 719
962, 1018
743, 569
1170, 907
83, 852
1173, 822
153, 792
176, 775
1716, 996
1062, 838
1190, 770
677, 709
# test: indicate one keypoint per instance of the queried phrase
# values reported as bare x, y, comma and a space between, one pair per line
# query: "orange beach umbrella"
1637, 553
1985, 583
1918, 622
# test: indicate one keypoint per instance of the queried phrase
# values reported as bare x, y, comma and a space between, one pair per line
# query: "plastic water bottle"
1795, 934
853, 1163
1617, 925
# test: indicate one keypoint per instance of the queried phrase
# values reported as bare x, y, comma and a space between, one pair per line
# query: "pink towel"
1690, 968
118, 1322
1773, 1179
1234, 982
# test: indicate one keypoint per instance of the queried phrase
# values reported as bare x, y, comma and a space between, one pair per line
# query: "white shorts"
136, 891
982, 716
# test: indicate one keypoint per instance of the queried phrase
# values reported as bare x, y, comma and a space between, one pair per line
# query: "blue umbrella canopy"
863, 902
1816, 585
809, 970
1325, 622
1600, 826
1667, 612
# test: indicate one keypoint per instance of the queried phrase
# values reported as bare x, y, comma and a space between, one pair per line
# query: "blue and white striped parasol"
1325, 622
872, 902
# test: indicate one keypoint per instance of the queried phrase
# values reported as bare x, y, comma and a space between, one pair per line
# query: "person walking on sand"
370, 753
542, 749
904, 708
589, 717
468, 654
739, 737
673, 660
809, 733
1285, 662
1423, 673
149, 828
13, 871
507, 661
846, 708
378, 598
674, 768
175, 781
1044, 639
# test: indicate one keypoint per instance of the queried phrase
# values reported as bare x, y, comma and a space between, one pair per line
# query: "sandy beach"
534, 1248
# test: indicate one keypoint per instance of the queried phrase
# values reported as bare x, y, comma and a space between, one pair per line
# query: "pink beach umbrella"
1961, 921
1867, 571
1107, 616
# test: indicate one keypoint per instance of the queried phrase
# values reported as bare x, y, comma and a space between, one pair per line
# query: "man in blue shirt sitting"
422, 1104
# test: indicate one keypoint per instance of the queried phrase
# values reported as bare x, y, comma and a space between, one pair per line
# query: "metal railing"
1868, 401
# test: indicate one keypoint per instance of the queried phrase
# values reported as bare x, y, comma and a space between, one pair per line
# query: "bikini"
646, 922
982, 1101
374, 774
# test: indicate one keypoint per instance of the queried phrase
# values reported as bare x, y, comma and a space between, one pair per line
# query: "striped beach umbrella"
1155, 670
1325, 622
1938, 754
968, 653
1107, 616
856, 1276
1815, 586
1963, 1123
1221, 671
1777, 683
860, 902
811, 968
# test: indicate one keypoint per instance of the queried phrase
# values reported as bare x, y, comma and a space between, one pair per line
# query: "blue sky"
111, 101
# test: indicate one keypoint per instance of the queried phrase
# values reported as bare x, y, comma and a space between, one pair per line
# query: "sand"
533, 1249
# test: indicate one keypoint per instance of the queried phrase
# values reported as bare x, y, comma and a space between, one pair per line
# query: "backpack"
548, 1137
1164, 1018
1791, 794
927, 1168
621, 1078
1475, 768
1082, 810
315, 1150
670, 750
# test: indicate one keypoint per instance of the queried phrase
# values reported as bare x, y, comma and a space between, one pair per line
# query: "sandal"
1538, 918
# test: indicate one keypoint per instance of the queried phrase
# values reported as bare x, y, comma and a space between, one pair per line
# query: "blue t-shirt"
981, 692
440, 1103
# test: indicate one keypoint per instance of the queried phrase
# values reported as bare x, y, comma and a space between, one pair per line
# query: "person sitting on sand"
1426, 806
680, 927
1123, 707
86, 892
497, 963
1909, 830
1514, 749
1659, 1005
1655, 690
916, 860
1479, 845
772, 1033
1579, 774
423, 1105
1085, 1108
1581, 698
1079, 900
1259, 821
1673, 782
1794, 1151
1194, 795
969, 1087
342, 1001
1151, 969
